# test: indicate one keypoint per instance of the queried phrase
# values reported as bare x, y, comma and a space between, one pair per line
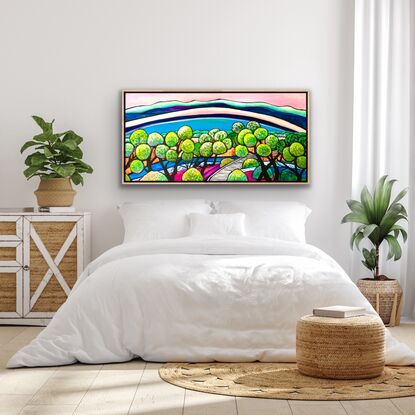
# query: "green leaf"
395, 250
370, 258
70, 144
369, 229
77, 153
45, 126
366, 253
71, 135
400, 196
27, 145
399, 228
358, 240
83, 166
64, 170
367, 202
367, 265
77, 179
356, 218
31, 171
401, 208
47, 152
378, 195
355, 206
42, 137
392, 216
383, 197
54, 137
358, 230
35, 159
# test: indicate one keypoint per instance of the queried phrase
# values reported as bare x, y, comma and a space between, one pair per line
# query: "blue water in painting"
200, 124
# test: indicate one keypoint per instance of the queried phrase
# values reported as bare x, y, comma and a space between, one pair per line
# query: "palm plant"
378, 219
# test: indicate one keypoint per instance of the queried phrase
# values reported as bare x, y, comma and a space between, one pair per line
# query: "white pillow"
278, 220
202, 225
159, 219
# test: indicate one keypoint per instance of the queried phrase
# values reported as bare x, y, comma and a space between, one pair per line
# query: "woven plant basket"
55, 192
385, 297
340, 348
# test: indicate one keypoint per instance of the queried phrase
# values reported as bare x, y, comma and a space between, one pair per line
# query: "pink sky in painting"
295, 100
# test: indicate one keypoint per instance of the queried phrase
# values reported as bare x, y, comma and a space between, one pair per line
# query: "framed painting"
207, 137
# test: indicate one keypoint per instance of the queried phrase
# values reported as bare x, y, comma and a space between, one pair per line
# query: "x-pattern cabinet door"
11, 260
11, 292
53, 247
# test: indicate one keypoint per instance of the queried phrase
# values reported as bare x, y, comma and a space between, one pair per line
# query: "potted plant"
57, 160
377, 218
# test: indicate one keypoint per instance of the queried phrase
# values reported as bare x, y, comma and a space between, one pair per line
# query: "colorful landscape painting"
215, 137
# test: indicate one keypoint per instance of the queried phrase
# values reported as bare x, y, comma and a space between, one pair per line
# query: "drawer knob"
26, 268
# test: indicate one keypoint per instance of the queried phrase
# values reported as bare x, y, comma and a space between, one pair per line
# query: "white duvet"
196, 300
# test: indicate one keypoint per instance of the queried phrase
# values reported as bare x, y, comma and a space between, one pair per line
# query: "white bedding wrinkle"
195, 300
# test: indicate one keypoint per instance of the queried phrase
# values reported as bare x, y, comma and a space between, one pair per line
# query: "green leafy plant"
377, 218
55, 154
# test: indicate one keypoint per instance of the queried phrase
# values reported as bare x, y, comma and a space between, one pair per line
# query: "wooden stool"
341, 348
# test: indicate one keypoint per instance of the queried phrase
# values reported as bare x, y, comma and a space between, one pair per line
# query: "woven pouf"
341, 348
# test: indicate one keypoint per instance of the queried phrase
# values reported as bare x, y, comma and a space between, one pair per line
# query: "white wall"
69, 60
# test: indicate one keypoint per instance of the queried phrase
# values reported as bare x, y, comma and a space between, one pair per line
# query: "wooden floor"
135, 388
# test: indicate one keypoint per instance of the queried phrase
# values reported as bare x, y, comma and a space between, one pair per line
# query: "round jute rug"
284, 381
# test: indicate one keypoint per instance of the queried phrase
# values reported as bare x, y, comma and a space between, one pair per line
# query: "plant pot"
55, 192
385, 297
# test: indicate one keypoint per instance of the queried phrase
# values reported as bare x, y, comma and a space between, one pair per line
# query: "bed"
216, 293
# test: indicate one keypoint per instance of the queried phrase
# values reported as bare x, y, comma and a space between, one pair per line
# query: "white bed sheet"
193, 300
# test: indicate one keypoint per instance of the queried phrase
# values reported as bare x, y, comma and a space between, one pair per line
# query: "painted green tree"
278, 158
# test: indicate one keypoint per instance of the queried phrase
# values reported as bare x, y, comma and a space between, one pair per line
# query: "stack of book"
56, 209
339, 311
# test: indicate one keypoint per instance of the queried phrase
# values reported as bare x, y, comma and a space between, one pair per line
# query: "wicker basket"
385, 297
341, 348
55, 192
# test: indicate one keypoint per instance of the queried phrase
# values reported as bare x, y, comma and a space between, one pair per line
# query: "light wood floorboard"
24, 381
155, 397
405, 333
48, 410
134, 388
377, 406
12, 404
112, 392
316, 408
250, 406
65, 387
8, 333
198, 403
405, 405
21, 337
